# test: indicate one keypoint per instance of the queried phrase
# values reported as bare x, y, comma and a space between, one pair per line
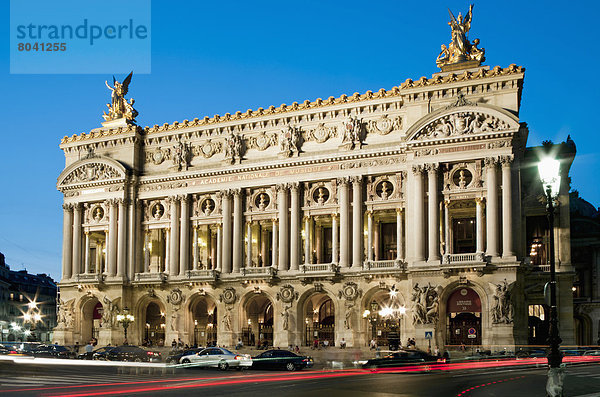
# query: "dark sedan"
132, 353
52, 351
175, 356
281, 359
98, 354
401, 358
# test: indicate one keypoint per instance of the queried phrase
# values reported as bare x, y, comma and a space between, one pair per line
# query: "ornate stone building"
400, 210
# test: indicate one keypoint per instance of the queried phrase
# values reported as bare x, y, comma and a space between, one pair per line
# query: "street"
581, 380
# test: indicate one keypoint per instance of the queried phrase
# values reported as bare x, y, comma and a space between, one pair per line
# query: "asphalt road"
582, 380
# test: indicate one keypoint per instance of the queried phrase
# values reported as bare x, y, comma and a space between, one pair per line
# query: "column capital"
236, 192
507, 160
480, 200
68, 207
275, 221
399, 211
356, 179
171, 199
446, 202
294, 186
281, 187
490, 161
432, 167
334, 215
306, 218
343, 181
225, 193
369, 213
417, 169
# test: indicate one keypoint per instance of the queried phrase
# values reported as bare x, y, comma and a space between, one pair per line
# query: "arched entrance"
91, 319
538, 325
319, 320
258, 329
204, 318
154, 330
384, 314
463, 319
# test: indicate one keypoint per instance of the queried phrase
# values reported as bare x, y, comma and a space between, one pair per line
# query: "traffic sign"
472, 331
428, 334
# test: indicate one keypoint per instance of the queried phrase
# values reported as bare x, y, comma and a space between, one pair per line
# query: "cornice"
408, 87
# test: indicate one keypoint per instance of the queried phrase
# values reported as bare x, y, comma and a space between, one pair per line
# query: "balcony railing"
391, 264
151, 277
460, 259
320, 268
254, 272
202, 275
90, 278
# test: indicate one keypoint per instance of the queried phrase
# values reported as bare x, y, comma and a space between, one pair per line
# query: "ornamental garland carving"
262, 141
91, 172
372, 163
207, 149
350, 291
175, 297
287, 294
321, 134
384, 125
461, 123
228, 296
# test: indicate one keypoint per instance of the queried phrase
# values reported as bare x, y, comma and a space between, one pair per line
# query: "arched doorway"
582, 330
384, 314
204, 317
463, 319
538, 325
319, 320
154, 325
258, 329
91, 319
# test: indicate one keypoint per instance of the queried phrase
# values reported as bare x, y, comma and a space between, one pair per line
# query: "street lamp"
125, 319
374, 313
549, 169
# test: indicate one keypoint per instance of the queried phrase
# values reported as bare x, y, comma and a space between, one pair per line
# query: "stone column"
167, 252
334, 238
213, 248
174, 238
357, 222
76, 240
369, 235
307, 258
344, 222
67, 257
274, 245
227, 238
376, 241
282, 206
139, 231
295, 226
479, 224
238, 246
399, 235
195, 247
87, 252
419, 215
219, 260
318, 242
447, 242
249, 244
262, 235
492, 207
507, 218
112, 239
147, 251
122, 239
132, 239
184, 235
433, 214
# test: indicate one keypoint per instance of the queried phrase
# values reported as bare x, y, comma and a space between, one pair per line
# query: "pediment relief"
91, 170
461, 121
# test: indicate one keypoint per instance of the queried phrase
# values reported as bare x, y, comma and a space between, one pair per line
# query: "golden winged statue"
119, 106
460, 48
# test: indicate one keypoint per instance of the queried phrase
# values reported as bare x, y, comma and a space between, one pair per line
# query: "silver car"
217, 357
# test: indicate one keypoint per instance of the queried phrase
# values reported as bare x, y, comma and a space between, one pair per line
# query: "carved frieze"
321, 134
91, 172
262, 141
461, 123
384, 125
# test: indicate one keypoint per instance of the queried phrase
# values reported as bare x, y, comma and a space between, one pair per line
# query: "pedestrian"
239, 344
436, 352
446, 356
76, 347
297, 349
179, 343
372, 344
174, 344
343, 343
89, 350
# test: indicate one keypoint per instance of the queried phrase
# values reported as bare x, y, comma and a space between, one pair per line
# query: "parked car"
98, 354
176, 355
531, 353
52, 351
25, 348
592, 353
281, 359
401, 358
132, 353
218, 357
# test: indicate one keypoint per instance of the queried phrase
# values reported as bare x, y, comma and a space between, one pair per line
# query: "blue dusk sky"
217, 57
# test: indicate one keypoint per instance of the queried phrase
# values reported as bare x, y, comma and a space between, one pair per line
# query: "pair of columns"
373, 236
116, 249
416, 186
357, 221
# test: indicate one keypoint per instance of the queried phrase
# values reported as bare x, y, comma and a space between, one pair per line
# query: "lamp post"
374, 314
125, 319
550, 177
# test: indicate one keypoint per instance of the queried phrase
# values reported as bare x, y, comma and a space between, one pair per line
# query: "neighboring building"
585, 244
415, 210
27, 305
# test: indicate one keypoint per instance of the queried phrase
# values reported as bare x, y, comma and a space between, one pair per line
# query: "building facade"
396, 211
